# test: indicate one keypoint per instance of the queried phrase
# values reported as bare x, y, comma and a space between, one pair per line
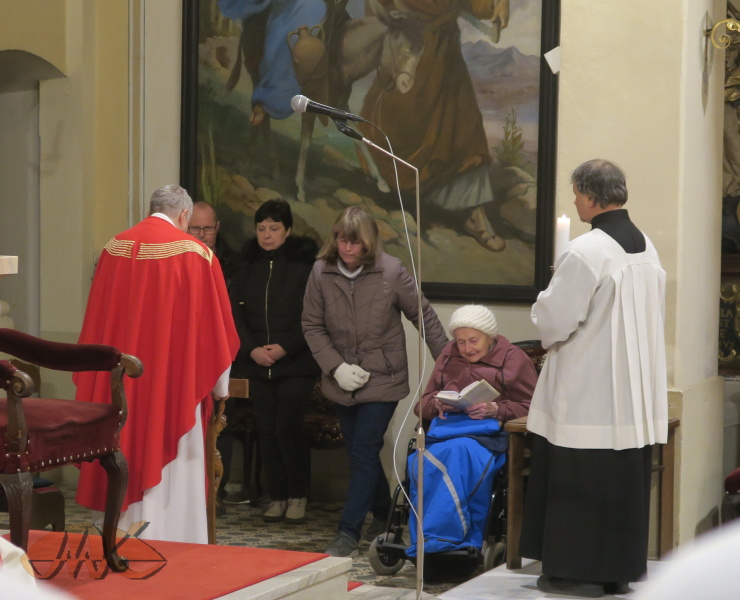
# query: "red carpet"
161, 570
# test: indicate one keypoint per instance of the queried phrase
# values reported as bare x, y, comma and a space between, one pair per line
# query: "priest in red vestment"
159, 294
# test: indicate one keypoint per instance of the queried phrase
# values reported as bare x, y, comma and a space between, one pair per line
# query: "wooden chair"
38, 434
731, 501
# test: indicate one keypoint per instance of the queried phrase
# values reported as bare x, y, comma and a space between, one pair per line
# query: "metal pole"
420, 442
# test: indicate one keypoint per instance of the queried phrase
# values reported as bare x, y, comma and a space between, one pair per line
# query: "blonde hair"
354, 224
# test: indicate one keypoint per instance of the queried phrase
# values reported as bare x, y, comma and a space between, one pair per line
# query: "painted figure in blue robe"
268, 58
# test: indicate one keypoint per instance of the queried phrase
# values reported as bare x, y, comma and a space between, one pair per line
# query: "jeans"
363, 427
280, 407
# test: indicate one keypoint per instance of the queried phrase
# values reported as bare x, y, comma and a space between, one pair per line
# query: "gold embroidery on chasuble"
169, 249
120, 247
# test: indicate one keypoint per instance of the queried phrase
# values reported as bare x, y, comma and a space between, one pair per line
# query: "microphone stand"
420, 437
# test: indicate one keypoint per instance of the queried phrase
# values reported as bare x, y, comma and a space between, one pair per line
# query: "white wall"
161, 55
65, 129
696, 324
19, 204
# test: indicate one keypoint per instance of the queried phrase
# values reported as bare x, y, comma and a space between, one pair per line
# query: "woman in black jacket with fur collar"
267, 299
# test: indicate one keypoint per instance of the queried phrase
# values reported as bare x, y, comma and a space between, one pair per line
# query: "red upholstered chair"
731, 501
38, 434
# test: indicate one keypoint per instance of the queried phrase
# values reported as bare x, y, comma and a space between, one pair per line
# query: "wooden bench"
665, 468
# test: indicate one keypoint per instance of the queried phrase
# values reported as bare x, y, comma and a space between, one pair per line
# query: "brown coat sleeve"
314, 324
519, 379
434, 385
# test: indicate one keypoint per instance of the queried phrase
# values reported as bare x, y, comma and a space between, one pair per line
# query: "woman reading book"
465, 446
477, 352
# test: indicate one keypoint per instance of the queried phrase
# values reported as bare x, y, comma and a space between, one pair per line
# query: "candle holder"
8, 265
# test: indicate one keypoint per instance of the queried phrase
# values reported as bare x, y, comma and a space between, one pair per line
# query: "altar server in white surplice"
601, 400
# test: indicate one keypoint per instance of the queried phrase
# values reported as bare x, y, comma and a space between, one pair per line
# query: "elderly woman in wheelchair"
465, 443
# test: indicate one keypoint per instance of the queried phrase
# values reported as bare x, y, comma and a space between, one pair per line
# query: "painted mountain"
503, 78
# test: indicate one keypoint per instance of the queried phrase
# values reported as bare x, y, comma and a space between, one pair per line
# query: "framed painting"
457, 88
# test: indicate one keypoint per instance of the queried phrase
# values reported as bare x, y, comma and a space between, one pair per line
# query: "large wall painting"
461, 89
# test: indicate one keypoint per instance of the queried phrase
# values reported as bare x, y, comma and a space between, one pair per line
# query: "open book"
475, 393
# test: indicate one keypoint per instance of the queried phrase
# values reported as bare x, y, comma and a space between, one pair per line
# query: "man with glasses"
204, 225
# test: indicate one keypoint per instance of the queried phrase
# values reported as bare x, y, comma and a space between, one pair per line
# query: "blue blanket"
458, 481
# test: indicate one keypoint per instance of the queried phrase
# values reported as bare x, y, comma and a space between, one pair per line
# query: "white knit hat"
474, 316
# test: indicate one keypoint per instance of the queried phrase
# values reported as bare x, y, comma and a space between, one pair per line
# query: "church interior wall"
83, 166
19, 182
109, 135
38, 27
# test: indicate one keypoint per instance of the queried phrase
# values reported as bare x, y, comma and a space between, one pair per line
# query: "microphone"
301, 104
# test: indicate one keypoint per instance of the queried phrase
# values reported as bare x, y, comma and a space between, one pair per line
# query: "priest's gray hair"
602, 180
170, 200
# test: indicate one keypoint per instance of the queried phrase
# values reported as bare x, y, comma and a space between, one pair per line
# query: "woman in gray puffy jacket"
352, 310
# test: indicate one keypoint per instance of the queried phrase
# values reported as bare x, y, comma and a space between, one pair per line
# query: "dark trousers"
586, 515
280, 408
363, 427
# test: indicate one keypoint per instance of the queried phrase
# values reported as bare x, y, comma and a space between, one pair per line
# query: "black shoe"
618, 587
569, 587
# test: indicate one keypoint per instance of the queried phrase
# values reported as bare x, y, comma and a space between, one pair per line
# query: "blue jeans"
363, 426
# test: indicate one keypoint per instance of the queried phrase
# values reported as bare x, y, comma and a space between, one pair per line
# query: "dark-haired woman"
267, 299
352, 321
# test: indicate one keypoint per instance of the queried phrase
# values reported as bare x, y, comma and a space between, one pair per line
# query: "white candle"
562, 235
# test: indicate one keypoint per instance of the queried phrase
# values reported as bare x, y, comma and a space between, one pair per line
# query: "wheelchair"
389, 551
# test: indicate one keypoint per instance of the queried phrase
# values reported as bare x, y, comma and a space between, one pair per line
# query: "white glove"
350, 377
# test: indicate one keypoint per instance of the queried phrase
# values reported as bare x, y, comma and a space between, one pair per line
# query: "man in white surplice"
601, 400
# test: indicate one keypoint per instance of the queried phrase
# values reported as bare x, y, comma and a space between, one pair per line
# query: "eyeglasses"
344, 241
198, 230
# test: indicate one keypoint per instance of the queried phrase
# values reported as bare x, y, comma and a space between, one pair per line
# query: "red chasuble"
159, 294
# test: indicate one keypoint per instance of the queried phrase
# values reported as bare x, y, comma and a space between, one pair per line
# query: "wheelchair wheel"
385, 561
493, 555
